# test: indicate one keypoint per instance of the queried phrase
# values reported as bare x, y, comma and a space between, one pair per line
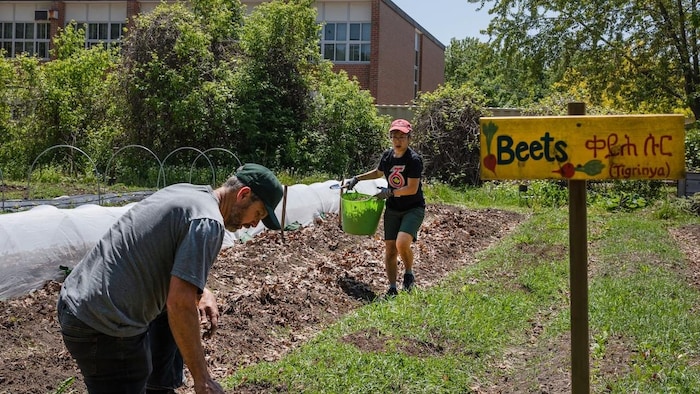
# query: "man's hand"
384, 193
351, 183
208, 313
210, 386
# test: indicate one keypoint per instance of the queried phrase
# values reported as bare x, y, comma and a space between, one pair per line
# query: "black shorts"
408, 221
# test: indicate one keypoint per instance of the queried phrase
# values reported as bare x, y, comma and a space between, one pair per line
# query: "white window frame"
31, 37
346, 42
94, 30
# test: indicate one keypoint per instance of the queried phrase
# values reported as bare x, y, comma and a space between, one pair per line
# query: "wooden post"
578, 277
284, 211
340, 204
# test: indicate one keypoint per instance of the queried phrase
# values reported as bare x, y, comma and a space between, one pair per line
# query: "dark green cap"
266, 186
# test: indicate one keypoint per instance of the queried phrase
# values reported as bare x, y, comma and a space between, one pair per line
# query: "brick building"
374, 40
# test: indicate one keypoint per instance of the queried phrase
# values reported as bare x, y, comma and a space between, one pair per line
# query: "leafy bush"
692, 148
674, 207
168, 76
192, 77
446, 127
19, 99
62, 102
76, 91
546, 193
346, 135
626, 195
279, 45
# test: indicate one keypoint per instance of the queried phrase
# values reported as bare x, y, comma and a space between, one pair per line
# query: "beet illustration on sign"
593, 167
490, 159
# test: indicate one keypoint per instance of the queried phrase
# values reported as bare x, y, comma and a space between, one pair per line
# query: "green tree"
279, 44
345, 133
223, 19
640, 52
177, 75
192, 77
19, 100
75, 89
486, 67
65, 101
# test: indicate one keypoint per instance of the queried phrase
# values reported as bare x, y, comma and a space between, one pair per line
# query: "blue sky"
447, 19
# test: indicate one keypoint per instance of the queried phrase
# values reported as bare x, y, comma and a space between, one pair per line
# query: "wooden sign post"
578, 148
578, 277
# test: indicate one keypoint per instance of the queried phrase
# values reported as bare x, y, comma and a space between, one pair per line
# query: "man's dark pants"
123, 365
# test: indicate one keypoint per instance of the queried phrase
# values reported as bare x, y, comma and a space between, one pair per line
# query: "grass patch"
639, 295
490, 194
436, 340
430, 341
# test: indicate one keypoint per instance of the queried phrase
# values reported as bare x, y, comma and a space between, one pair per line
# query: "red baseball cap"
401, 125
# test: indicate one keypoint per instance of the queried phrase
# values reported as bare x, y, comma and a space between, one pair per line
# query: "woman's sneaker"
408, 282
389, 295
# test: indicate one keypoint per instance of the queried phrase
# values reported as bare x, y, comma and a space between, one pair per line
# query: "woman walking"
405, 204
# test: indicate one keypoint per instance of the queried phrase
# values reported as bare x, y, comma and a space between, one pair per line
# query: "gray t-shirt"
121, 285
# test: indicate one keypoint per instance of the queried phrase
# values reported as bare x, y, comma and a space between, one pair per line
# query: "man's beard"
234, 221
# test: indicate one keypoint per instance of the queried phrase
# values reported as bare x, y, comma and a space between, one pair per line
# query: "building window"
346, 41
102, 33
29, 38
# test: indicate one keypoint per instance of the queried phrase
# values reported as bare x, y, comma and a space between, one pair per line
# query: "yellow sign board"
583, 147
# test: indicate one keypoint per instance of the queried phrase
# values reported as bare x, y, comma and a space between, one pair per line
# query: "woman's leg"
390, 262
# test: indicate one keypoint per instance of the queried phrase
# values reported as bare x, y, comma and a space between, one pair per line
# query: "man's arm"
183, 316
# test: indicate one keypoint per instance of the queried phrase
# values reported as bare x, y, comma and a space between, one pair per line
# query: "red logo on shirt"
395, 178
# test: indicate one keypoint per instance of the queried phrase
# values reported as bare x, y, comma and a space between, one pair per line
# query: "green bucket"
360, 213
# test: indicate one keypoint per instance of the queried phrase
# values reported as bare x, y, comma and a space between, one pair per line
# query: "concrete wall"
407, 111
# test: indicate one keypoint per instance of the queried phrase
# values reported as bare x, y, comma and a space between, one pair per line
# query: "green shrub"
446, 128
547, 193
692, 148
673, 207
279, 45
626, 195
345, 134
20, 79
191, 77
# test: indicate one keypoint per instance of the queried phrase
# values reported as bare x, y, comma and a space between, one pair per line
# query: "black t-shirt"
397, 170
